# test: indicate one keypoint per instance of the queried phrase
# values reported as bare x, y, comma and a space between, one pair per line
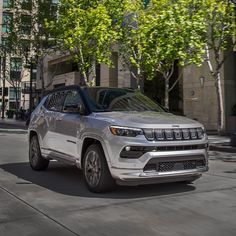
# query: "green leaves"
220, 16
149, 39
86, 29
166, 31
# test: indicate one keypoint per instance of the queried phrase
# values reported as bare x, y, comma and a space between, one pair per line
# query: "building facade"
59, 70
199, 94
21, 22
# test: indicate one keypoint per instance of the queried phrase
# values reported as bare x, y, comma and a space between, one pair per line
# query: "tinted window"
55, 101
72, 101
115, 99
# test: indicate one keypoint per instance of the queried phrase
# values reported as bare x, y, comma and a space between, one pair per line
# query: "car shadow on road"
230, 171
68, 180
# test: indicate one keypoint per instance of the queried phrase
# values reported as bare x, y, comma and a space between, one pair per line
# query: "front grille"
168, 166
179, 165
173, 134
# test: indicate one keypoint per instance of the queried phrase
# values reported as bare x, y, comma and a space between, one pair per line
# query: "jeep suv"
116, 135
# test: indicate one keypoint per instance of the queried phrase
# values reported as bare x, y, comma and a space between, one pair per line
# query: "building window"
26, 4
5, 93
7, 3
6, 22
24, 45
5, 42
12, 94
16, 66
25, 24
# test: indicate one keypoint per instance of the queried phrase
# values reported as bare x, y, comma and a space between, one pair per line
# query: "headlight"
125, 131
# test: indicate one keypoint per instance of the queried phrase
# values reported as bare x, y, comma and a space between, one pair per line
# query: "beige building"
199, 94
59, 70
16, 75
23, 17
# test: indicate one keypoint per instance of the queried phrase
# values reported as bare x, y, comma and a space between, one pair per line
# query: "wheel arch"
87, 141
32, 133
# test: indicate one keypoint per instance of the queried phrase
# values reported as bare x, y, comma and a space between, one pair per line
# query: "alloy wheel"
92, 168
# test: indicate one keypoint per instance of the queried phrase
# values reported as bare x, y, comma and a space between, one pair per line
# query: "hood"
147, 119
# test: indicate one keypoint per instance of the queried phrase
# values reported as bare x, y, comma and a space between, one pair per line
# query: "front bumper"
135, 176
134, 171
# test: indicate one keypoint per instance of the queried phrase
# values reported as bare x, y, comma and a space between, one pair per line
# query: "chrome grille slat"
174, 134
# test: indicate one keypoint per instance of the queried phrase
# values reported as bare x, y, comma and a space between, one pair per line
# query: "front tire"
95, 170
37, 162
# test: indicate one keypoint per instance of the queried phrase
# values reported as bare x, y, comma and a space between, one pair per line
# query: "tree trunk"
42, 76
139, 79
220, 107
16, 90
167, 93
84, 79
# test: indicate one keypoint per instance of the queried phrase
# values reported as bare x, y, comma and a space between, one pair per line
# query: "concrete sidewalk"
216, 142
12, 126
220, 143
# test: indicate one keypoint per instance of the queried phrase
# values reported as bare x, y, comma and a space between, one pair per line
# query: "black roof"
79, 88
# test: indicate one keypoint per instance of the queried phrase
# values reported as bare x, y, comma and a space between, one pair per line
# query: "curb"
14, 131
222, 148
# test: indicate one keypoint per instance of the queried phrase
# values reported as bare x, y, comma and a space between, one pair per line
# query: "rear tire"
37, 162
95, 170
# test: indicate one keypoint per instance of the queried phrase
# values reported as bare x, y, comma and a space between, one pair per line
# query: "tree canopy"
85, 28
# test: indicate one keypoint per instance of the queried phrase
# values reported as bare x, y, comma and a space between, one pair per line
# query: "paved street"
56, 202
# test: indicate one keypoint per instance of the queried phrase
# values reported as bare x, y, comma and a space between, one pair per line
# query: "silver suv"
116, 135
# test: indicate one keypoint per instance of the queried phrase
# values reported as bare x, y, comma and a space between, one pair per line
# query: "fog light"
127, 148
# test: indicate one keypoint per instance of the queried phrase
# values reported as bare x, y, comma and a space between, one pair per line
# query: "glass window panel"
7, 3
12, 94
6, 22
25, 24
26, 4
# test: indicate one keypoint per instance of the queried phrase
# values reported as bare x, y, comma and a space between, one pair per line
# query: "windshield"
117, 99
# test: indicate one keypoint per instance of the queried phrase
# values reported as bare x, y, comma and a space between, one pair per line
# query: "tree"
132, 40
8, 49
34, 38
220, 17
174, 36
85, 29
158, 34
26, 37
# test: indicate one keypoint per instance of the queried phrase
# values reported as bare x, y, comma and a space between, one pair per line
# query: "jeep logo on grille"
175, 126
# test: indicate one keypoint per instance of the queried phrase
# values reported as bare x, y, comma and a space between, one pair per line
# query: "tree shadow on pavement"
68, 180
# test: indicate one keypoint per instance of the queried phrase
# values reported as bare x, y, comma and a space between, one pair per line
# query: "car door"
54, 108
67, 124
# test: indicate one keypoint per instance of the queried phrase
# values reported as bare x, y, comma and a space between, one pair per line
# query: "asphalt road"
56, 201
